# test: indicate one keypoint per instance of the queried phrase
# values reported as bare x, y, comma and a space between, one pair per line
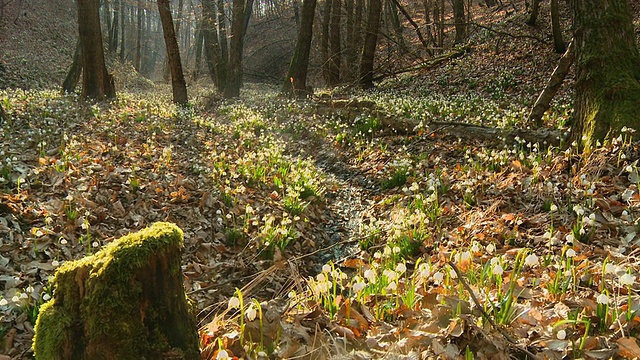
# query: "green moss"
123, 294
57, 324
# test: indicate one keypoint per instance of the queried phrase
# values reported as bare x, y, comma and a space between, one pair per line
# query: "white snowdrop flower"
490, 248
392, 287
228, 216
326, 268
55, 263
95, 244
3, 302
438, 277
24, 295
219, 220
531, 260
234, 303
561, 335
370, 275
251, 313
627, 280
453, 274
414, 187
570, 253
223, 355
390, 274
475, 247
46, 297
609, 268
63, 242
570, 238
15, 298
465, 256
387, 250
423, 271
628, 169
359, 286
497, 270
396, 250
494, 261
321, 277
578, 210
602, 299
218, 212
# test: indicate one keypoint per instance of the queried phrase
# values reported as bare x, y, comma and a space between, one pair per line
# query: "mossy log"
127, 301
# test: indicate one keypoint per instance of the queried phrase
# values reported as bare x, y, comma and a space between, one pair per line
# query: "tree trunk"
324, 41
460, 21
234, 73
607, 71
351, 55
138, 60
296, 80
335, 51
370, 43
113, 35
122, 32
3, 115
398, 30
127, 301
533, 16
224, 45
199, 41
211, 45
73, 76
96, 82
558, 41
173, 54
542, 103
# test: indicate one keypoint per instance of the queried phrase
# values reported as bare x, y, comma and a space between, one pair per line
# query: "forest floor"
396, 223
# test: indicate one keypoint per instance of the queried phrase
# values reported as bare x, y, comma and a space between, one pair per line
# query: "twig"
487, 316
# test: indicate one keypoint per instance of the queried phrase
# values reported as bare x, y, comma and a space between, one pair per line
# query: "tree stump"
127, 301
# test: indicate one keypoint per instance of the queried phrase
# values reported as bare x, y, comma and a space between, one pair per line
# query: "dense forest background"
433, 191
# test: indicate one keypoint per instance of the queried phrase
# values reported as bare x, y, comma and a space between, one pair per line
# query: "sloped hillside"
37, 40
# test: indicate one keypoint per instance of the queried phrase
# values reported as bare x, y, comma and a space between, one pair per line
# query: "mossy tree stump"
127, 301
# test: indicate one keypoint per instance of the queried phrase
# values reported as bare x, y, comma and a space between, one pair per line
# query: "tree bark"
370, 43
3, 115
211, 45
296, 80
533, 16
607, 96
224, 45
122, 32
324, 41
558, 42
173, 54
351, 54
138, 60
542, 103
234, 80
96, 81
127, 301
73, 76
335, 51
460, 21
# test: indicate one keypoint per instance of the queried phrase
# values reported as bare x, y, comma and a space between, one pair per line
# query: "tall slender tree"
234, 80
370, 43
607, 89
335, 50
558, 42
173, 54
296, 80
96, 81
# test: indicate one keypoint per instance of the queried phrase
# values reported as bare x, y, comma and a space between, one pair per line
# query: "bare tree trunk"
558, 42
122, 32
296, 80
370, 43
460, 21
113, 34
3, 115
138, 60
73, 76
96, 81
224, 44
198, 49
413, 23
607, 72
211, 46
542, 103
351, 56
335, 51
173, 53
234, 80
394, 19
324, 41
533, 16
